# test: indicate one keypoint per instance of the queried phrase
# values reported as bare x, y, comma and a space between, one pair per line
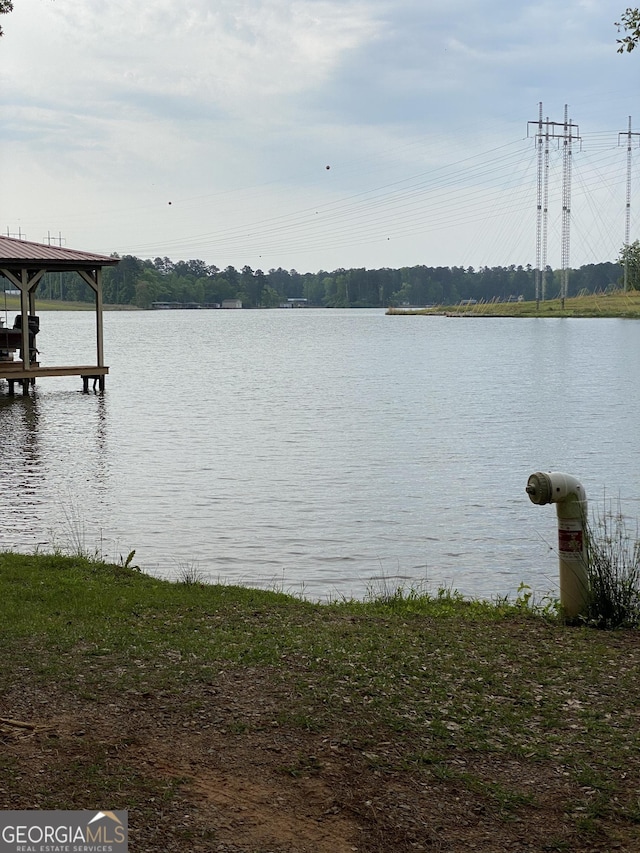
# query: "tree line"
142, 282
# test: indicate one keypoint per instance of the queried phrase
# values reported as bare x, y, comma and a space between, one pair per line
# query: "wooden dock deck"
14, 371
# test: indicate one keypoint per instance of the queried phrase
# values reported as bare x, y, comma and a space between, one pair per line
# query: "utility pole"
627, 225
17, 234
59, 240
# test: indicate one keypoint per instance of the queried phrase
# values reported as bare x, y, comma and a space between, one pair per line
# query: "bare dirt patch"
229, 778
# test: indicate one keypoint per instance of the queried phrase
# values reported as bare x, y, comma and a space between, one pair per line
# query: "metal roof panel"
15, 252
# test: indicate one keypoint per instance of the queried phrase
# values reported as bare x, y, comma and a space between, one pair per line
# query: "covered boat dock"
23, 264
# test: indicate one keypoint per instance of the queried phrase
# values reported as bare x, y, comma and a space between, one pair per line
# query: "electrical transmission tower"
547, 130
627, 225
567, 138
542, 210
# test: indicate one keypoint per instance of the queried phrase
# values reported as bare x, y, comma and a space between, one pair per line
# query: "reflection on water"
54, 467
20, 468
322, 451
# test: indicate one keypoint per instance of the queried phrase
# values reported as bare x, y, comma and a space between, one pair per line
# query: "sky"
317, 134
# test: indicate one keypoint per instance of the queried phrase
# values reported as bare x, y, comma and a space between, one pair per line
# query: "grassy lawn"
231, 719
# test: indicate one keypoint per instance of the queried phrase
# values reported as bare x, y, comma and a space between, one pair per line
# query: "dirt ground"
217, 771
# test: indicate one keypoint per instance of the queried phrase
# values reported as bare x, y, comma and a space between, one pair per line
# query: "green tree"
630, 261
342, 291
329, 285
232, 277
119, 282
5, 6
146, 291
313, 288
270, 297
630, 23
402, 296
279, 280
225, 289
251, 285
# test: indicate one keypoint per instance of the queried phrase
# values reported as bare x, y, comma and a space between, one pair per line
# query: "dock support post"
94, 280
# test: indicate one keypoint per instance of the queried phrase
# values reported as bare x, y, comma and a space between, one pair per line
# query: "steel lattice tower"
545, 213
566, 207
539, 145
547, 130
627, 224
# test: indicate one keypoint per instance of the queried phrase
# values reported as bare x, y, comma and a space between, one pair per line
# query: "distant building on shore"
294, 302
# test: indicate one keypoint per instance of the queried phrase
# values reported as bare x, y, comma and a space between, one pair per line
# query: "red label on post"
570, 542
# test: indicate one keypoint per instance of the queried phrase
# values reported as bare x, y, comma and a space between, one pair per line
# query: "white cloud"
227, 55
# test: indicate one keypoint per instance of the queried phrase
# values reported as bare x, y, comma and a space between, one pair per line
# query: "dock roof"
19, 254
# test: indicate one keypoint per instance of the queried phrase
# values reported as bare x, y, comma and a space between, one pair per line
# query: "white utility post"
567, 493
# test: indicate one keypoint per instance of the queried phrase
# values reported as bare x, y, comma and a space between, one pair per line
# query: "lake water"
323, 452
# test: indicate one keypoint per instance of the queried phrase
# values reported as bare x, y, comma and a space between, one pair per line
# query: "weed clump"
613, 568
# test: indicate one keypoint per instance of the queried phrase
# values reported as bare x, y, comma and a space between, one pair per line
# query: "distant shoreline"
618, 304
